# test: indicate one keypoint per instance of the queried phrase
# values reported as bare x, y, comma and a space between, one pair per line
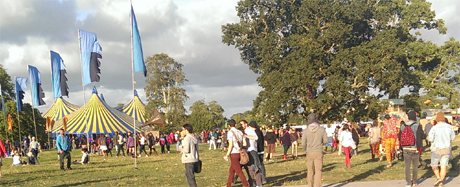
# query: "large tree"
335, 58
206, 117
164, 91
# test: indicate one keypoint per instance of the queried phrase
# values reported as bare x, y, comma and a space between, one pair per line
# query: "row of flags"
90, 54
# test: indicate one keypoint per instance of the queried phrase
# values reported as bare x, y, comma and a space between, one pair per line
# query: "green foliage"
164, 91
26, 122
338, 58
7, 85
206, 117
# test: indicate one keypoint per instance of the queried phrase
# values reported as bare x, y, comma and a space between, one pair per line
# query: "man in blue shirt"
63, 146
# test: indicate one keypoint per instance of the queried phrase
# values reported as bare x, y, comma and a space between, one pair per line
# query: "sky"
187, 30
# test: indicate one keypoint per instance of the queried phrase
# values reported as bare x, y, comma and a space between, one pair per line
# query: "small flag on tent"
138, 54
90, 54
65, 124
102, 97
10, 122
58, 78
36, 86
21, 86
3, 101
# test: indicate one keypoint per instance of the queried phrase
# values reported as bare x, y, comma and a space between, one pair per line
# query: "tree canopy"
206, 117
340, 58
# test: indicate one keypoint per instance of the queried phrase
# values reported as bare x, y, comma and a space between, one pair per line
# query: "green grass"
167, 170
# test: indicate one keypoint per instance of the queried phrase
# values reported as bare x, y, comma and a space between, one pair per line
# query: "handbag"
244, 157
197, 166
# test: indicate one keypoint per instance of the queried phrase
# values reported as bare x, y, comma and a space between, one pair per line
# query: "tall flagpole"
132, 76
17, 109
4, 109
84, 95
32, 99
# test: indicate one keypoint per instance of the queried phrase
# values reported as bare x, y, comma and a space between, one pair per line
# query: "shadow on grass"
293, 176
366, 174
95, 181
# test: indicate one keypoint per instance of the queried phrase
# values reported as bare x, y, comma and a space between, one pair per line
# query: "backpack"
162, 141
407, 136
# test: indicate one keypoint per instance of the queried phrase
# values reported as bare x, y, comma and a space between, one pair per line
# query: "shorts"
437, 159
270, 148
103, 147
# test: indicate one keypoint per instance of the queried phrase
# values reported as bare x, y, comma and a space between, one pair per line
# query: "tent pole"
84, 95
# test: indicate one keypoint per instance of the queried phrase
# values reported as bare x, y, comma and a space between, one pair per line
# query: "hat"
253, 124
311, 118
440, 117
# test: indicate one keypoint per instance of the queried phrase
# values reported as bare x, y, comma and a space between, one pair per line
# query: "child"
84, 157
31, 160
17, 159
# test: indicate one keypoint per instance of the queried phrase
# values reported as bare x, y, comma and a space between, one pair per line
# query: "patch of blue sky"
83, 14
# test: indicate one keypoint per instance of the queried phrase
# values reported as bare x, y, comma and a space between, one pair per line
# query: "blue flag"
58, 78
3, 101
36, 86
90, 54
21, 86
138, 55
102, 97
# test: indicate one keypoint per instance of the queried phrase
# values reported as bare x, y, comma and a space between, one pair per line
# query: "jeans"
261, 158
142, 149
65, 154
120, 147
411, 158
286, 147
190, 174
314, 167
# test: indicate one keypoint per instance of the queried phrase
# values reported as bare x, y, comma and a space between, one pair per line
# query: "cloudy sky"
187, 30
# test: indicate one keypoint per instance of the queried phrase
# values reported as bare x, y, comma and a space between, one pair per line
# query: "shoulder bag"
244, 157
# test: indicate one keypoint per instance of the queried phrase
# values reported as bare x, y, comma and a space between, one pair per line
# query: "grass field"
167, 170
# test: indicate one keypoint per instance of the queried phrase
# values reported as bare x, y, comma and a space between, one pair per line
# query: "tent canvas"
59, 109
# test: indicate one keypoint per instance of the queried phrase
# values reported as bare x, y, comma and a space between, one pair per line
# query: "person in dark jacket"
286, 142
411, 152
270, 138
260, 149
355, 136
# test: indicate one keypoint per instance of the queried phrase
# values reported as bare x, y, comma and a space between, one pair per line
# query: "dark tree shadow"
95, 181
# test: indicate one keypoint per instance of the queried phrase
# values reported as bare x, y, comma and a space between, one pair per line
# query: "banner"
58, 78
21, 86
36, 86
138, 54
90, 54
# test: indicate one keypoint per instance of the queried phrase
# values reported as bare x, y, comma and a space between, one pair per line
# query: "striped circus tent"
134, 108
59, 109
96, 117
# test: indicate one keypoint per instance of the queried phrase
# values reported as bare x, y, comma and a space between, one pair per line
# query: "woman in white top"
17, 160
347, 143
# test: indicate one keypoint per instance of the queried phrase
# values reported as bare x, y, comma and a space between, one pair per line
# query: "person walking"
121, 142
294, 143
390, 134
441, 136
190, 154
374, 139
427, 129
142, 147
63, 146
355, 136
130, 144
260, 149
286, 142
152, 144
254, 166
235, 138
212, 139
270, 139
313, 139
410, 137
115, 142
347, 143
103, 145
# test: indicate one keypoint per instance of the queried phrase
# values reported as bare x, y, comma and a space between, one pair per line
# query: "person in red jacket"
2, 154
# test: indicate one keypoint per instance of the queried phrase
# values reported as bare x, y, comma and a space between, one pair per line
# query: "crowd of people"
386, 139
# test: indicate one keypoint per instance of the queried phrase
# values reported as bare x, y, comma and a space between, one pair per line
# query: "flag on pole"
47, 124
21, 86
10, 122
90, 54
58, 78
36, 86
65, 123
3, 101
138, 54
